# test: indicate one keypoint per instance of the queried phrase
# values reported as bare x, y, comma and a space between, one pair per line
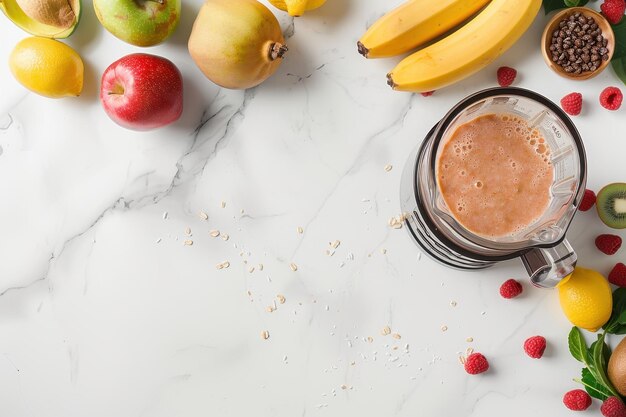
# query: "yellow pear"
236, 44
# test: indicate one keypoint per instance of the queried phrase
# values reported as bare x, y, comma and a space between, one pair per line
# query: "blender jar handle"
547, 267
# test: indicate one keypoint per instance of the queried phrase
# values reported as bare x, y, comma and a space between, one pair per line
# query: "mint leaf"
600, 353
621, 319
551, 5
617, 321
577, 345
618, 62
620, 39
593, 387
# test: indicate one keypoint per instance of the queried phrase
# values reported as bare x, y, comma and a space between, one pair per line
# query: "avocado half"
15, 14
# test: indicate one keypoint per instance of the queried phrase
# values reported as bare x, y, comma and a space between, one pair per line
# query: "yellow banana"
413, 24
297, 7
467, 50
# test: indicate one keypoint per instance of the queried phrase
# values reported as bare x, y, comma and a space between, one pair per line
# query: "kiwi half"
611, 205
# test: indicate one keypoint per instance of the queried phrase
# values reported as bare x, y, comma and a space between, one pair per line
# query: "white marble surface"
105, 312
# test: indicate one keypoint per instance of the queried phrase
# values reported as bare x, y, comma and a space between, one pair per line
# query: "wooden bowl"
553, 24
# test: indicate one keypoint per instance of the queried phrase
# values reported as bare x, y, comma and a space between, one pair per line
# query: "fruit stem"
117, 89
362, 49
390, 82
277, 50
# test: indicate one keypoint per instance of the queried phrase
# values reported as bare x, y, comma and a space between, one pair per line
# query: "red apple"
142, 92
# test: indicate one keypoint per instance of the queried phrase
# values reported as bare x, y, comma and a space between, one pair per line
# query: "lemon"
47, 67
586, 299
297, 7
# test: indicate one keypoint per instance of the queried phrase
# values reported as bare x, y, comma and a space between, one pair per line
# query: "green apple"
139, 22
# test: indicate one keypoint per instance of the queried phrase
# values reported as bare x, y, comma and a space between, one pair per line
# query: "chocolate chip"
577, 45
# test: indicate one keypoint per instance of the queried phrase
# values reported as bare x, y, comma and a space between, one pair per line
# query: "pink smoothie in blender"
495, 175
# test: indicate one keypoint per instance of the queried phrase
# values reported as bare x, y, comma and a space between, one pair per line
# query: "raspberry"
510, 289
506, 76
611, 97
428, 93
577, 400
589, 199
608, 244
572, 103
613, 407
617, 276
476, 363
534, 346
613, 10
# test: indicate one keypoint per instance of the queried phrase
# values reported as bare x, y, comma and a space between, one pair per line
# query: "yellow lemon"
47, 67
297, 7
586, 299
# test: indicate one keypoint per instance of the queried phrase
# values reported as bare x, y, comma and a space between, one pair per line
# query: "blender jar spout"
548, 266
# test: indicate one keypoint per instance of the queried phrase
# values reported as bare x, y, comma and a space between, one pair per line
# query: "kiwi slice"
611, 205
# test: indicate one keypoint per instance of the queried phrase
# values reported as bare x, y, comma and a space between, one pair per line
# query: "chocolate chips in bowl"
578, 43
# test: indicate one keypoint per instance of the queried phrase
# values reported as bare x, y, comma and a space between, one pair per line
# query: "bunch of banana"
454, 57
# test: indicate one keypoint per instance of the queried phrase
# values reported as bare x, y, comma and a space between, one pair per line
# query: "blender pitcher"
541, 245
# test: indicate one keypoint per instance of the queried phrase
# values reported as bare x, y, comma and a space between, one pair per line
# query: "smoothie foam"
495, 175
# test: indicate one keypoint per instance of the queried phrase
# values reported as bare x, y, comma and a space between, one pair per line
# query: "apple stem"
277, 50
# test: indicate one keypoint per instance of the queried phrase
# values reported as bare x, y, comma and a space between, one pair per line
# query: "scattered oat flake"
469, 339
335, 244
383, 251
269, 309
214, 233
164, 215
370, 339
188, 242
293, 267
396, 336
444, 328
188, 231
241, 211
453, 303
225, 237
260, 267
223, 265
469, 351
462, 360
385, 331
300, 230
158, 240
251, 269
281, 298
388, 167
265, 335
